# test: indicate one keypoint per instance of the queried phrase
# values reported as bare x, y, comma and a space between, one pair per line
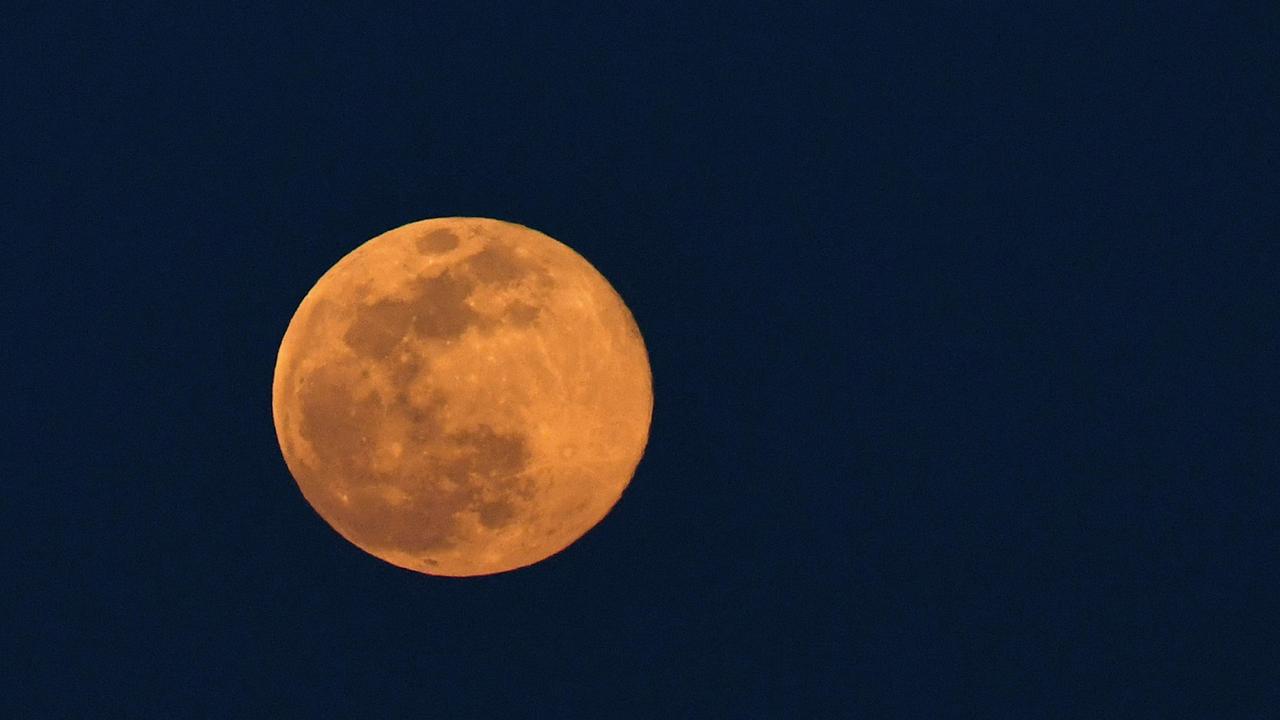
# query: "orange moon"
462, 396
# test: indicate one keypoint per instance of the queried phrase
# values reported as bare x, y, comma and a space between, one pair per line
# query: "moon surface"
462, 396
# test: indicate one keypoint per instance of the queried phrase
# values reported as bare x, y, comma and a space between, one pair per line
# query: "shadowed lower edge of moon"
410, 513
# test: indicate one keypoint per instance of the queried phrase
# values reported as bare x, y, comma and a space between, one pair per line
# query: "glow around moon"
462, 396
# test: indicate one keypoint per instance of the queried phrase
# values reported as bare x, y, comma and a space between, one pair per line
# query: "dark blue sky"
962, 322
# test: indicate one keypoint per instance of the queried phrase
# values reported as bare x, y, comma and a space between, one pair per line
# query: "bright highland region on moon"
462, 396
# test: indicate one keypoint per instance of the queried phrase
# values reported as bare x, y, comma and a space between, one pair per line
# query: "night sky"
962, 319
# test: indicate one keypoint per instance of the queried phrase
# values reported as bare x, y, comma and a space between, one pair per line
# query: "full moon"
462, 396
